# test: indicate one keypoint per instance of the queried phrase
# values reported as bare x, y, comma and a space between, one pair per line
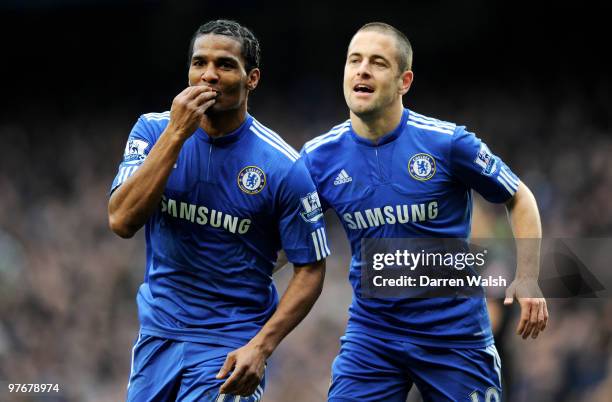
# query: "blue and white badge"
422, 166
251, 180
486, 160
134, 151
311, 207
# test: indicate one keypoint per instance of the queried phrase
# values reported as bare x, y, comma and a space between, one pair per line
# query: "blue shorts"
379, 370
169, 370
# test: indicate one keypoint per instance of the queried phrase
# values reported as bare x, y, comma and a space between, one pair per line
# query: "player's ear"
406, 81
253, 79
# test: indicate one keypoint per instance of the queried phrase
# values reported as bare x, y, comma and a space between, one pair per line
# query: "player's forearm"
301, 294
527, 229
135, 200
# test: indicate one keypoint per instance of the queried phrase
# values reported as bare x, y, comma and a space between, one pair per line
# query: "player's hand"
534, 313
189, 107
247, 365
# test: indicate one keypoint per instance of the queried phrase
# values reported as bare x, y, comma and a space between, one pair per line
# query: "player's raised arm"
525, 221
134, 201
247, 364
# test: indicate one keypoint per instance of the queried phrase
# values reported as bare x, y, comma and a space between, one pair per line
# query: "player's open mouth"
363, 88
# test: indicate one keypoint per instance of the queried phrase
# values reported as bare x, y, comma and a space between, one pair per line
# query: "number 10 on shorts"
491, 395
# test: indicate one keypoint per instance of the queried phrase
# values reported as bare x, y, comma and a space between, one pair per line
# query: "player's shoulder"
156, 122
156, 117
271, 147
428, 125
328, 140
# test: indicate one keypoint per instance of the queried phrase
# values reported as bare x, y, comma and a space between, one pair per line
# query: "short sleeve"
477, 167
301, 224
139, 143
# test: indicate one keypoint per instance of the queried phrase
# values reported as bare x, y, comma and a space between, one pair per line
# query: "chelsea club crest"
422, 166
251, 180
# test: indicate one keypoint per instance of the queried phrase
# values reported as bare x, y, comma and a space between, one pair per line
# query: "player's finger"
527, 330
545, 322
204, 107
544, 315
230, 360
204, 97
540, 322
525, 312
230, 385
252, 384
198, 89
249, 387
241, 387
185, 92
193, 92
533, 318
528, 324
535, 327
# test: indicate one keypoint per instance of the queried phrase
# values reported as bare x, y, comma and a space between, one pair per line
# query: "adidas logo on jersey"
342, 178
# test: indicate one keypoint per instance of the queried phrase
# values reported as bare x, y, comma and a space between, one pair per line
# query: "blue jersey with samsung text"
415, 182
229, 205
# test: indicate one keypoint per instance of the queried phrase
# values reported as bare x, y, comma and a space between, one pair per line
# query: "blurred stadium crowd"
68, 285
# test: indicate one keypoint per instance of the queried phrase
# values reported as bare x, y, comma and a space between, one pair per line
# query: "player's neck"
219, 124
375, 126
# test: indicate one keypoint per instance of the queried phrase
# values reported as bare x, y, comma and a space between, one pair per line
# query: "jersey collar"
229, 137
385, 139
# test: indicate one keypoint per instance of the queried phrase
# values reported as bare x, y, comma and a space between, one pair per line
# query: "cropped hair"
250, 49
404, 48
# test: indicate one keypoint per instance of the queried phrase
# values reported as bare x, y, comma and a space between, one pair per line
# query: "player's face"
217, 62
372, 80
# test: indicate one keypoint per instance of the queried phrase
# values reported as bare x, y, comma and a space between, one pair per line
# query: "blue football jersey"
415, 182
229, 205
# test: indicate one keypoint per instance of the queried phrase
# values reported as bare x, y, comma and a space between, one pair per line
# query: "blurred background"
530, 80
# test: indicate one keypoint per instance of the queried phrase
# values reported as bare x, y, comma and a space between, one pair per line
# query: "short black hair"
251, 51
404, 48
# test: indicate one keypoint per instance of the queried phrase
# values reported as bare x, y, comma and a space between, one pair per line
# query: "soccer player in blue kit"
219, 195
389, 172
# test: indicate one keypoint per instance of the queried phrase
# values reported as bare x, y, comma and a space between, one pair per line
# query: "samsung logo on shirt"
390, 215
203, 216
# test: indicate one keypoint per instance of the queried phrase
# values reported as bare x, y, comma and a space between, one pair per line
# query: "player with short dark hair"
219, 194
390, 172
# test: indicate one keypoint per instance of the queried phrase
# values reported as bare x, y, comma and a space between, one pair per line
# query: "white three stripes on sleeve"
125, 172
320, 243
510, 183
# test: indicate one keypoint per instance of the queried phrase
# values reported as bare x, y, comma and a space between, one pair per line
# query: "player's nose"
210, 74
363, 69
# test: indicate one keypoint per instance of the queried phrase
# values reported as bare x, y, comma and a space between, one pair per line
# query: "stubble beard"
368, 111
